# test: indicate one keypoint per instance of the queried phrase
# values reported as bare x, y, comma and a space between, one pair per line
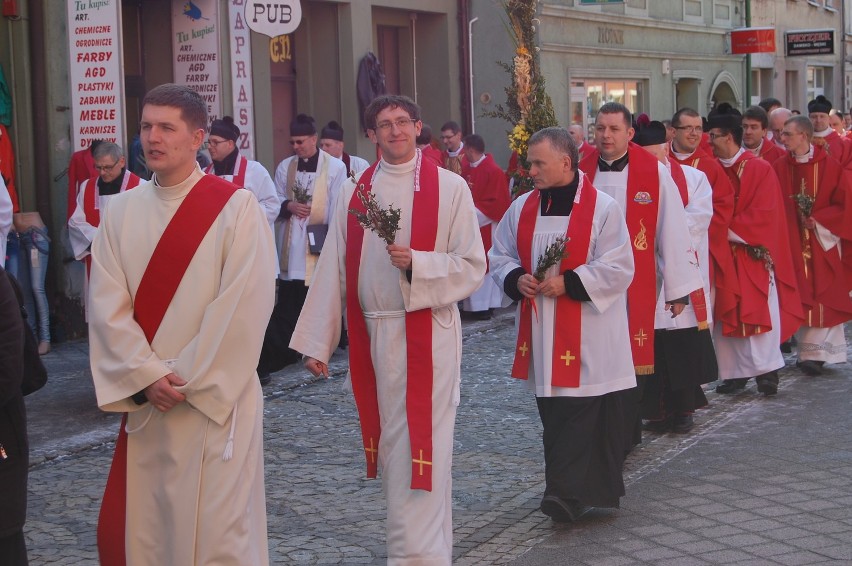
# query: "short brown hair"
390, 101
193, 109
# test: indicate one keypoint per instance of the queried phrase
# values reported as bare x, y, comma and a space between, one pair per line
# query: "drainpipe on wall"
470, 68
464, 62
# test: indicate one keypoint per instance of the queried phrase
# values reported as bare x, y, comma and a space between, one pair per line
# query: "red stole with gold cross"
171, 258
418, 332
642, 203
567, 334
696, 298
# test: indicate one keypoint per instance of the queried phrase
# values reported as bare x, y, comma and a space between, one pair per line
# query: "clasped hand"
529, 286
162, 393
400, 256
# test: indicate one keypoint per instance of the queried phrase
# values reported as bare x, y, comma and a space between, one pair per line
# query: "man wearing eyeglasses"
308, 185
453, 154
232, 166
112, 178
819, 237
404, 327
754, 317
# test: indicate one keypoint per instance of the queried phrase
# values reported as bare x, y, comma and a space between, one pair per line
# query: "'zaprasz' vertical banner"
241, 77
195, 41
96, 77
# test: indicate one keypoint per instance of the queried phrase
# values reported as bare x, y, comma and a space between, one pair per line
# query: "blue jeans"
32, 269
13, 245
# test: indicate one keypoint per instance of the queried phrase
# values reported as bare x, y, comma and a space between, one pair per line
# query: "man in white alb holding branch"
404, 326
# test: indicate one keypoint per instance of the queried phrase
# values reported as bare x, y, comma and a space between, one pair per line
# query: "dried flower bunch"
804, 203
553, 255
383, 222
760, 253
528, 107
300, 193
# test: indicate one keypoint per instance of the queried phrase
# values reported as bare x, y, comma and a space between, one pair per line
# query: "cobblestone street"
760, 480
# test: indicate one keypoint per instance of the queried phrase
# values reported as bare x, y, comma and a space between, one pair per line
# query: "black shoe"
563, 511
660, 426
683, 424
732, 385
265, 379
810, 367
786, 347
479, 315
344, 340
767, 383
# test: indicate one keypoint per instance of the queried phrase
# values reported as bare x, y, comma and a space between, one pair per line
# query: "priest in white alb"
182, 271
573, 344
400, 301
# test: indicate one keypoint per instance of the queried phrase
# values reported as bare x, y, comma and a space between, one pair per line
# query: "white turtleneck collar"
478, 161
804, 158
457, 152
681, 156
179, 190
731, 161
756, 150
823, 133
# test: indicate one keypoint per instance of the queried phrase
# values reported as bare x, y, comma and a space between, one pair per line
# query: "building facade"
54, 54
653, 56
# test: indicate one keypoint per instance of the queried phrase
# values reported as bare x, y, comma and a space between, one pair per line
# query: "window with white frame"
723, 12
693, 11
816, 82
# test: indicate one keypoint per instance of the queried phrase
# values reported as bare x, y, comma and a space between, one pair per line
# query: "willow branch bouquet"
553, 255
384, 222
761, 253
805, 204
300, 193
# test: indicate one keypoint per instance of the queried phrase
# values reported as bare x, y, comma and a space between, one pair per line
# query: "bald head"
576, 131
776, 121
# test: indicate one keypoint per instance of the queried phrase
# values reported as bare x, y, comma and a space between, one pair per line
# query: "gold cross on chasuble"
421, 462
567, 357
371, 451
523, 349
640, 337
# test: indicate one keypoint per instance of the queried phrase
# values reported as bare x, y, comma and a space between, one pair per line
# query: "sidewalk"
759, 480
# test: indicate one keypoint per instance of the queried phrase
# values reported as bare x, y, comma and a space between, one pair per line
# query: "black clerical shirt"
555, 201
113, 187
226, 166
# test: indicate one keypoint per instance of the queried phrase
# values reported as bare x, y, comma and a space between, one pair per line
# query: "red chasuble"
722, 272
567, 338
770, 152
240, 171
490, 191
170, 260
642, 202
825, 300
759, 219
696, 298
80, 168
418, 332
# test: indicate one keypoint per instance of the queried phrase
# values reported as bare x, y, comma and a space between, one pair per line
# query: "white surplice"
699, 212
419, 523
606, 363
5, 218
676, 267
186, 504
260, 184
80, 232
298, 227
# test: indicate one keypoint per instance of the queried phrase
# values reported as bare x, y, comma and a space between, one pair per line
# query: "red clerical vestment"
759, 219
81, 168
824, 280
722, 273
490, 191
770, 152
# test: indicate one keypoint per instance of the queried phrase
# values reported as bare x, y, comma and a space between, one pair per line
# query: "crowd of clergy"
689, 250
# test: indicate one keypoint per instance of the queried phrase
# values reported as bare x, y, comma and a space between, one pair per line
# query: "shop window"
599, 92
815, 82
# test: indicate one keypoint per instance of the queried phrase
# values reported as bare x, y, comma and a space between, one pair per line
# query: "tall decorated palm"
528, 107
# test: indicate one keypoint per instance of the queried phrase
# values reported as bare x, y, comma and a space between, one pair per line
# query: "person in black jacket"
14, 449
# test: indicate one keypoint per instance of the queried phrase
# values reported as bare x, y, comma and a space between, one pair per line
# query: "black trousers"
13, 550
583, 447
276, 353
